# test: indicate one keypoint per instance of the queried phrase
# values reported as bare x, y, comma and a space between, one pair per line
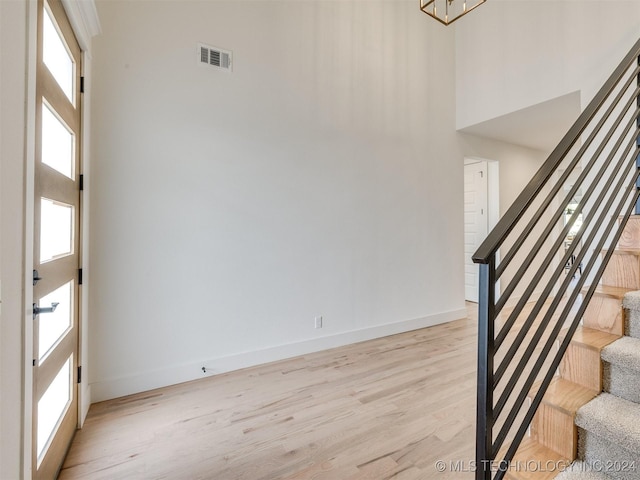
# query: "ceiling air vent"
214, 57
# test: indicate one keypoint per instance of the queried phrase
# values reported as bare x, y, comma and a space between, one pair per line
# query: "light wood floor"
383, 409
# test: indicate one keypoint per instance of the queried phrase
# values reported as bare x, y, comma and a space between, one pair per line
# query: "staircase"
591, 411
559, 306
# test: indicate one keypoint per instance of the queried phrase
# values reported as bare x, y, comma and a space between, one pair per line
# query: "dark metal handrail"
598, 160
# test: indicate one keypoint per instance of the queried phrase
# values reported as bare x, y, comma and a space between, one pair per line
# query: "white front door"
56, 240
475, 222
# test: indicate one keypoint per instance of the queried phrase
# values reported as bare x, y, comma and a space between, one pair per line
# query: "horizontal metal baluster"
517, 440
554, 304
506, 260
524, 330
513, 380
504, 331
543, 356
558, 327
556, 300
524, 298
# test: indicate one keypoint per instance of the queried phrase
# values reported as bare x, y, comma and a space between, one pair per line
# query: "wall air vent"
214, 57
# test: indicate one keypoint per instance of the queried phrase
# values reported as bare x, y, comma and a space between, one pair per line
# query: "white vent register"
214, 57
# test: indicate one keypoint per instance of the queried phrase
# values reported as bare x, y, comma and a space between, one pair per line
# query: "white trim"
493, 203
84, 400
84, 390
84, 20
143, 381
29, 200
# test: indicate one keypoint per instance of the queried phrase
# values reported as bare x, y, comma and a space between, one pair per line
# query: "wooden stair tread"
610, 291
592, 338
565, 395
533, 453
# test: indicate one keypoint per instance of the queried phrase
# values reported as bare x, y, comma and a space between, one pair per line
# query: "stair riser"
631, 234
555, 430
621, 382
632, 323
623, 270
596, 450
605, 314
582, 365
531, 454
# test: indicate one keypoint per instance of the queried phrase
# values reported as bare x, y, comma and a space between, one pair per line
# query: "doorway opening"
481, 213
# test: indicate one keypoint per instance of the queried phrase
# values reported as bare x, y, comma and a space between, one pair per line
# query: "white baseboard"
85, 403
141, 382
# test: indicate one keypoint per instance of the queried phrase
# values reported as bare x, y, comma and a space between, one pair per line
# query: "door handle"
37, 310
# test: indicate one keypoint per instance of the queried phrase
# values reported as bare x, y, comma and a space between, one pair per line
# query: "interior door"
475, 222
56, 239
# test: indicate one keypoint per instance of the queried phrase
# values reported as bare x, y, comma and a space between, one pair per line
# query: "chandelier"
448, 11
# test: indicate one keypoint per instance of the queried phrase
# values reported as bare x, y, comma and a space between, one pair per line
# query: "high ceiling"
540, 127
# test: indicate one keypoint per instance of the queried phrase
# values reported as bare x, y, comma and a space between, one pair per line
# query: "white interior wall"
321, 177
514, 54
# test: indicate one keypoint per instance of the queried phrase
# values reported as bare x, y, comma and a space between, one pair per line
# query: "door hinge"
81, 182
36, 277
34, 362
79, 373
79, 276
81, 84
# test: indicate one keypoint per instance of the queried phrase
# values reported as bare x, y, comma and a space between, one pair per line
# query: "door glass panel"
53, 405
52, 326
57, 143
56, 55
56, 229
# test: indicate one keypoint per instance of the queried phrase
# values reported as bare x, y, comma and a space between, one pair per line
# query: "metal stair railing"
549, 252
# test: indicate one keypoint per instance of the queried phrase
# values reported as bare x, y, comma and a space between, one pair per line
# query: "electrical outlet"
318, 322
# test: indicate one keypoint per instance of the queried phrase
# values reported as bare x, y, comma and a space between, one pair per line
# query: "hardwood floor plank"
384, 409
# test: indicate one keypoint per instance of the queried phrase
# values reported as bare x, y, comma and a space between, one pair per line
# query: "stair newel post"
486, 351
